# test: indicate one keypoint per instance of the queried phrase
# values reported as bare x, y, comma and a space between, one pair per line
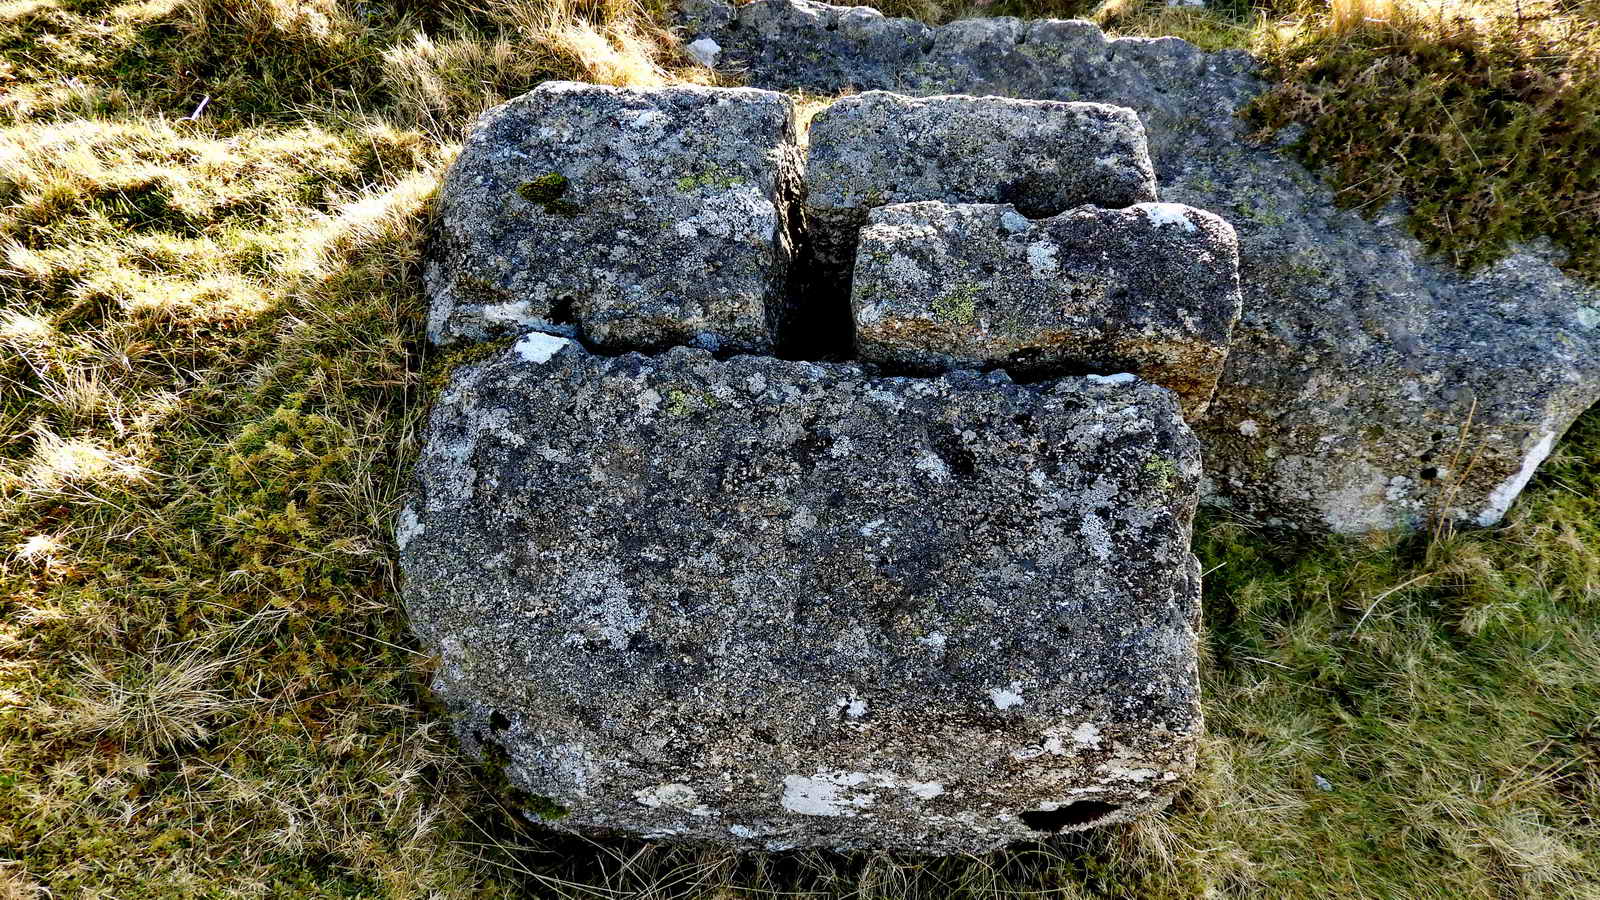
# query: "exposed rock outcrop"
1367, 386
789, 604
1152, 289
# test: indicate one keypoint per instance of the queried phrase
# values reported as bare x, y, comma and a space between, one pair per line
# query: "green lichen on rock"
1162, 471
708, 179
959, 306
685, 403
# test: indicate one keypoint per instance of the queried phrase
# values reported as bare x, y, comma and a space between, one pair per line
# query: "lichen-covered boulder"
878, 148
632, 218
1367, 386
788, 604
1152, 289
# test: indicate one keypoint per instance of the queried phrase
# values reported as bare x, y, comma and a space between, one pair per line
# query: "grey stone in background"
879, 148
790, 604
1152, 289
813, 46
632, 218
1368, 386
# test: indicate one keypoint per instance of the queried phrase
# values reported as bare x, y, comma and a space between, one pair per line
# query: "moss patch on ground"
211, 381
1486, 121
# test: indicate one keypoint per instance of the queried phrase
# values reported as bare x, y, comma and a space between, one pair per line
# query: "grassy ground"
210, 383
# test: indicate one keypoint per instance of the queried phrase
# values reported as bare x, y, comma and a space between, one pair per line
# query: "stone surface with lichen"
630, 218
1152, 289
785, 604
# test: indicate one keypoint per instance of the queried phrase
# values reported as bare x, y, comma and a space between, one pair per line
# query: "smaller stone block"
1041, 156
1152, 289
632, 218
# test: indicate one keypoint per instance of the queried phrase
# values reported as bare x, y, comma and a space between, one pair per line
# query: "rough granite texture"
877, 148
790, 604
1368, 386
1152, 289
635, 219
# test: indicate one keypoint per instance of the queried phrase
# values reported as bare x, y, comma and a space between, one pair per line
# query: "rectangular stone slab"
788, 604
1152, 289
633, 218
1043, 157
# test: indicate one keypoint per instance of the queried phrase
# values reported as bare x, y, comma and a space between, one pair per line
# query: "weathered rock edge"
1367, 386
632, 218
791, 604
1152, 289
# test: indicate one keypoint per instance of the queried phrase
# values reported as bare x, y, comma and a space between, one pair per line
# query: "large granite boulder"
789, 604
631, 218
1367, 385
1152, 289
878, 148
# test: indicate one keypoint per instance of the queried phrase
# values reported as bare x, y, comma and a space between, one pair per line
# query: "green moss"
437, 373
1486, 128
545, 189
545, 808
550, 192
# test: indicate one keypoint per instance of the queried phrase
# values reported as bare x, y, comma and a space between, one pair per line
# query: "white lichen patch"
934, 467
841, 793
1162, 214
1042, 259
1006, 697
1095, 535
1118, 378
826, 794
407, 527
515, 312
704, 51
854, 707
673, 796
1087, 735
538, 348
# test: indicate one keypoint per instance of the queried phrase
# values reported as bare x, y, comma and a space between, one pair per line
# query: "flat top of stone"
1042, 156
886, 605
637, 218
